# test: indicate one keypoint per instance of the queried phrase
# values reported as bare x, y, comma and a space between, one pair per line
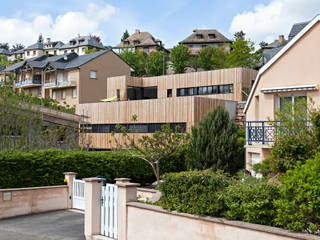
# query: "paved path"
59, 225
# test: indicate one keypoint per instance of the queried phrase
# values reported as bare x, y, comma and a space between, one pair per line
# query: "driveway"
58, 225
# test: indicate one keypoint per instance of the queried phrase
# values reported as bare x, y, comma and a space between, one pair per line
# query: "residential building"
70, 79
202, 38
52, 48
291, 75
143, 41
180, 100
4, 51
272, 48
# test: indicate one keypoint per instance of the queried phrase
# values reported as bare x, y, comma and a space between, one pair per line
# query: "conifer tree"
214, 143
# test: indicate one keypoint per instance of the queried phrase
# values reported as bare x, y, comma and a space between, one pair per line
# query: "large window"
74, 92
205, 90
140, 93
132, 128
287, 104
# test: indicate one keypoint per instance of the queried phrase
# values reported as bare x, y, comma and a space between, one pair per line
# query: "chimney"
137, 31
281, 39
48, 40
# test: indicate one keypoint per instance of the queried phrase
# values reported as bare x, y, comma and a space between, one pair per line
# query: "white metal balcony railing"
28, 82
60, 84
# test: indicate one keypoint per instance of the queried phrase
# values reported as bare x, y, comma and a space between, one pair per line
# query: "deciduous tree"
179, 57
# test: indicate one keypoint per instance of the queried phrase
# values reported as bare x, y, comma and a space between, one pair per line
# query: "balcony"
28, 83
264, 132
261, 131
63, 84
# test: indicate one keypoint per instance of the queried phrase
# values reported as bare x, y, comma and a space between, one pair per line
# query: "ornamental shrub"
251, 200
298, 208
194, 192
45, 168
214, 143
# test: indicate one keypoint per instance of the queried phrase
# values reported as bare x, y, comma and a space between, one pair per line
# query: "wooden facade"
189, 110
241, 78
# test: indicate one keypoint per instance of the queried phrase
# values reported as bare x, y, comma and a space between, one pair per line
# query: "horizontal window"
131, 128
205, 90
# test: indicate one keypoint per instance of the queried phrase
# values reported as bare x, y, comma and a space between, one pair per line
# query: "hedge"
45, 168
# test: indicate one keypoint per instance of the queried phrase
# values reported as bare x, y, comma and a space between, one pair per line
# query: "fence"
109, 211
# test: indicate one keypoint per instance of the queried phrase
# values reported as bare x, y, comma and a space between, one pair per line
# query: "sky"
171, 21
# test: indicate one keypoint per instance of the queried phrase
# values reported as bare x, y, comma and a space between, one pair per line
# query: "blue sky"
169, 20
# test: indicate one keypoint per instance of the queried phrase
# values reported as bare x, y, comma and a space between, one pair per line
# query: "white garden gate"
78, 194
109, 211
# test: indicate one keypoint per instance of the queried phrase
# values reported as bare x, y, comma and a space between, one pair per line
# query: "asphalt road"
58, 225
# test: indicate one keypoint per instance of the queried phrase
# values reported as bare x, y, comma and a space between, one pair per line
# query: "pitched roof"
206, 36
310, 24
139, 39
296, 28
4, 51
35, 46
83, 41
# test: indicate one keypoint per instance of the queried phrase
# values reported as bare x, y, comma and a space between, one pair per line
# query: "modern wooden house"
70, 79
180, 100
291, 75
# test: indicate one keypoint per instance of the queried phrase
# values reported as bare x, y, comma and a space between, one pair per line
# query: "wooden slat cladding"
189, 110
239, 77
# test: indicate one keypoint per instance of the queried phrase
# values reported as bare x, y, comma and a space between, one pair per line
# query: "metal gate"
109, 211
78, 194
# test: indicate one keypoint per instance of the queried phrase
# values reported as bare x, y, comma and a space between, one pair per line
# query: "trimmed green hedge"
215, 194
45, 168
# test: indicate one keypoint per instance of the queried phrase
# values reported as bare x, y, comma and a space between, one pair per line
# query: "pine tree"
214, 143
125, 35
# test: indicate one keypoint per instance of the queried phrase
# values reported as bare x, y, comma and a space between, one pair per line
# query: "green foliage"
214, 143
125, 35
298, 209
243, 53
153, 149
45, 168
251, 200
194, 192
219, 58
194, 62
205, 57
290, 151
3, 60
136, 59
90, 50
179, 57
315, 120
156, 63
16, 47
5, 46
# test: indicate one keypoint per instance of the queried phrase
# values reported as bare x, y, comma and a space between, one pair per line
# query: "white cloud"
63, 27
269, 21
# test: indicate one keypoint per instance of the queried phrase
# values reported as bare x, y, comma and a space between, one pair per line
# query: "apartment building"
180, 100
52, 48
202, 38
70, 79
143, 41
291, 75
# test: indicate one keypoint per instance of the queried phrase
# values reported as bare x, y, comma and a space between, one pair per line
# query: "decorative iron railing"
261, 131
267, 131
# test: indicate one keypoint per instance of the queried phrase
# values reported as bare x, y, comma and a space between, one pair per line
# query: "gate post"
92, 211
69, 176
127, 192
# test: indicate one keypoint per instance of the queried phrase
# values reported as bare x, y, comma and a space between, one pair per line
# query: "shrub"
214, 143
298, 209
290, 151
194, 192
251, 200
45, 168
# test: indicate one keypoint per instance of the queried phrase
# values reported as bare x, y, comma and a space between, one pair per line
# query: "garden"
200, 173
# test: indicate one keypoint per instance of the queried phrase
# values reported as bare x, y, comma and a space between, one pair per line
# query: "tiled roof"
83, 41
206, 36
296, 28
37, 45
139, 39
4, 51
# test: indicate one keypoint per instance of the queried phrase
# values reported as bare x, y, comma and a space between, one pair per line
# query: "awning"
290, 88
